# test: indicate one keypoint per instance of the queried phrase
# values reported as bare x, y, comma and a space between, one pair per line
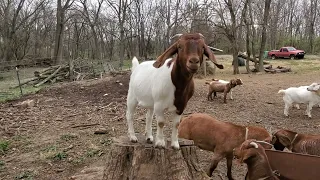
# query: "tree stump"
144, 161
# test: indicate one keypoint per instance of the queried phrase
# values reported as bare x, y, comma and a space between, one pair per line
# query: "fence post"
17, 70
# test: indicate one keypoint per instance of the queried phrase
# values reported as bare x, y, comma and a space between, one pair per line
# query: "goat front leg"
149, 117
229, 166
160, 142
225, 97
309, 108
174, 136
131, 106
231, 95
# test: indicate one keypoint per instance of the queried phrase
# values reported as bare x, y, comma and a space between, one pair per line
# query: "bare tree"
15, 19
121, 13
263, 36
60, 28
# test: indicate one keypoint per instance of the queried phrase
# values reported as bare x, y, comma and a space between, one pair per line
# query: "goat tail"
281, 91
135, 63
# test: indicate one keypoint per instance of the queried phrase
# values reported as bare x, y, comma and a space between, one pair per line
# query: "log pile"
51, 74
255, 60
278, 69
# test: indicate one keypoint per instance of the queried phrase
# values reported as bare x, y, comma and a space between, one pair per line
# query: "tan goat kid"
218, 137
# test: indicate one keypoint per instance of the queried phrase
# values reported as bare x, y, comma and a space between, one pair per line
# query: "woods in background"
118, 30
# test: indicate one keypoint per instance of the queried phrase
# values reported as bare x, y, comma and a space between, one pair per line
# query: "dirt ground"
55, 139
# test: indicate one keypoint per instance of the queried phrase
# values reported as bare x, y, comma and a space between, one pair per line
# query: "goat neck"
260, 166
182, 80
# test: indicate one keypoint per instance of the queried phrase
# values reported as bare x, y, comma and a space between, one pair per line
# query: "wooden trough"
294, 166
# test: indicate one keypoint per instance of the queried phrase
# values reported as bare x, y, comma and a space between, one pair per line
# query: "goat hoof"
160, 144
133, 139
175, 145
150, 140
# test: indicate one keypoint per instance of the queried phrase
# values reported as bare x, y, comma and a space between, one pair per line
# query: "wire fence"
32, 72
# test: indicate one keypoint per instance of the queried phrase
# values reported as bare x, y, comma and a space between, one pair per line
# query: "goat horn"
255, 145
177, 35
201, 35
215, 49
264, 143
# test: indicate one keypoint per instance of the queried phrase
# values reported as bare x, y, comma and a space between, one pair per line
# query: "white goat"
166, 84
309, 96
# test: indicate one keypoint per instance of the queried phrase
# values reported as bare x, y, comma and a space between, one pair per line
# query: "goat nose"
194, 61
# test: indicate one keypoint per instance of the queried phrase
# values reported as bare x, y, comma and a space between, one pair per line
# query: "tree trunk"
264, 38
142, 161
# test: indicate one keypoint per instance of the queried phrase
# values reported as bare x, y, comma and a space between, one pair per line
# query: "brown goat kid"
253, 154
218, 86
295, 142
218, 137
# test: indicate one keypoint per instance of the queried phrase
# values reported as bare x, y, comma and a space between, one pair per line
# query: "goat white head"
315, 87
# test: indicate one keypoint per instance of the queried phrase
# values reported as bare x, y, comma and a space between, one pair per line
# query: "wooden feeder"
294, 166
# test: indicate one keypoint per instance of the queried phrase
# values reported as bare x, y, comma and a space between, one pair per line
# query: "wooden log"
49, 77
142, 161
25, 82
251, 59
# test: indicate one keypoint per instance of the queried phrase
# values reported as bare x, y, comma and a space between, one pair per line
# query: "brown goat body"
253, 154
296, 142
218, 137
216, 86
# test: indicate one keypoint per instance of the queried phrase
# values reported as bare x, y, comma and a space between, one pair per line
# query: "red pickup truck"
286, 52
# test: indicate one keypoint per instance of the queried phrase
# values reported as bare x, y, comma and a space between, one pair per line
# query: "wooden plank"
294, 166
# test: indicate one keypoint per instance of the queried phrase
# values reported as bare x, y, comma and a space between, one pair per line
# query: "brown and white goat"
218, 137
296, 142
253, 154
222, 86
166, 84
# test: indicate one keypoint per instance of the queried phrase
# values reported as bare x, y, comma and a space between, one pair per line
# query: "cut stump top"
125, 141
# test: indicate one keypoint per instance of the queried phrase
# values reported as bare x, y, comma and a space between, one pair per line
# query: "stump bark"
143, 161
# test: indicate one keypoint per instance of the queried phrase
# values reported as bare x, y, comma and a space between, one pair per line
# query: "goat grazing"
166, 84
295, 142
222, 86
218, 137
253, 154
309, 96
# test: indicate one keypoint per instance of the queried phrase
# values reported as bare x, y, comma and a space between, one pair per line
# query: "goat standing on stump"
252, 153
166, 84
296, 142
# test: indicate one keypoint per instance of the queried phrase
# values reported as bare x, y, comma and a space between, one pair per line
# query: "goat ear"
173, 49
210, 55
284, 140
248, 154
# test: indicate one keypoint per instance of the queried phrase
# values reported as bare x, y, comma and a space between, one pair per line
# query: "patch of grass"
13, 94
27, 175
60, 156
4, 146
92, 152
106, 142
68, 137
52, 152
2, 163
78, 160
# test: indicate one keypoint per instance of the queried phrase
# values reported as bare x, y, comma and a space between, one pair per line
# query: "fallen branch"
26, 82
85, 125
49, 77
